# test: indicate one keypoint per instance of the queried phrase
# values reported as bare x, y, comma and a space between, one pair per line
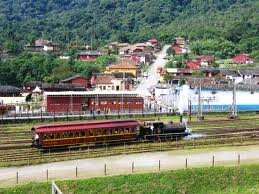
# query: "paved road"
153, 76
122, 164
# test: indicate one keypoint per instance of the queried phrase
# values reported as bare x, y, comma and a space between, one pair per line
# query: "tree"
198, 74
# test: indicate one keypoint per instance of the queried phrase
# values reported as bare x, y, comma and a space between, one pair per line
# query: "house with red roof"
90, 55
76, 80
205, 60
179, 45
178, 49
193, 64
242, 59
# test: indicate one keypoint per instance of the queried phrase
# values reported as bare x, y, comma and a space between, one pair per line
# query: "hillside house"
242, 59
90, 55
193, 64
41, 45
76, 80
115, 82
205, 60
153, 42
124, 66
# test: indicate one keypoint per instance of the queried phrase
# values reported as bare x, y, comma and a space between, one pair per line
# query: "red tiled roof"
242, 58
103, 78
125, 64
193, 64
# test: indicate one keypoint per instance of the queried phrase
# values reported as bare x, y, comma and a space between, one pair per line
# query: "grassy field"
218, 180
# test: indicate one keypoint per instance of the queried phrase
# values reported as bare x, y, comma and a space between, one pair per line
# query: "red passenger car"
58, 135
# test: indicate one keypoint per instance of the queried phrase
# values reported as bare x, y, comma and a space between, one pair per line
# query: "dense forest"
230, 24
219, 27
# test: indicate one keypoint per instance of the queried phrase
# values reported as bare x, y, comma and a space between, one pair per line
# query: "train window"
91, 133
121, 131
70, 134
132, 129
76, 134
45, 136
57, 136
116, 131
99, 132
65, 135
82, 134
51, 136
127, 130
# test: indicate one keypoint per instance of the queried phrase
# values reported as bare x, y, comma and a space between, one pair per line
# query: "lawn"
218, 180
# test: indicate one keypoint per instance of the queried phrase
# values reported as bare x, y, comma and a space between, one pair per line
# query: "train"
104, 131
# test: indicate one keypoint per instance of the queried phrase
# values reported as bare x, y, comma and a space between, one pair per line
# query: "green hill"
229, 23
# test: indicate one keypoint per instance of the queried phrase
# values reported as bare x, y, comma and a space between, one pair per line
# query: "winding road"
153, 76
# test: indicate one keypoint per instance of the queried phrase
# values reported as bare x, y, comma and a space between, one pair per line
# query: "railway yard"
215, 131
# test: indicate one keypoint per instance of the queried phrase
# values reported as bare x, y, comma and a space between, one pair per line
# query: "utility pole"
200, 116
234, 104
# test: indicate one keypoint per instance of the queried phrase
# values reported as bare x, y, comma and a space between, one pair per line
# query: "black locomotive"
157, 130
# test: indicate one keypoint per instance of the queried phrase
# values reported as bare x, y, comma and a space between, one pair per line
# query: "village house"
242, 59
50, 87
180, 45
138, 58
121, 47
154, 43
9, 91
124, 66
114, 82
41, 45
210, 72
193, 64
178, 74
76, 80
113, 46
249, 73
180, 41
205, 60
124, 50
231, 74
89, 55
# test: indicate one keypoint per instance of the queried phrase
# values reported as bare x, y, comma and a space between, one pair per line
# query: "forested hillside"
228, 24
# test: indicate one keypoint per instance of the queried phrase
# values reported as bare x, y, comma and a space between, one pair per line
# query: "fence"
41, 116
117, 166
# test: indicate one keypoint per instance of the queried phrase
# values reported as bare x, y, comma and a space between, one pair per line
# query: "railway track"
15, 142
32, 155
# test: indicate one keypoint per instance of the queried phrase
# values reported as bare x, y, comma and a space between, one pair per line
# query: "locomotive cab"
35, 138
151, 127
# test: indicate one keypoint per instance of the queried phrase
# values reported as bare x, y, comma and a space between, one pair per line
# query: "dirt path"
122, 164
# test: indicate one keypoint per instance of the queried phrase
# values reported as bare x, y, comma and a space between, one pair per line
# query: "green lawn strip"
243, 179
